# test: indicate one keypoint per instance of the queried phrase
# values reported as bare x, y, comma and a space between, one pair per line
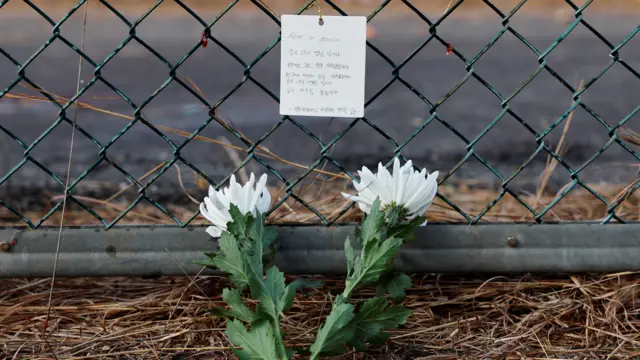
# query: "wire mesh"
253, 148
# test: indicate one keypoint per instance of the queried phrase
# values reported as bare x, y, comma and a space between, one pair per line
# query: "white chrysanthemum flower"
248, 199
412, 190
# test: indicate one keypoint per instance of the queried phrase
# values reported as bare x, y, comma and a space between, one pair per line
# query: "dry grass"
566, 317
578, 205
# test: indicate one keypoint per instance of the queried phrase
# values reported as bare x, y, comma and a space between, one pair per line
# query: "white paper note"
322, 68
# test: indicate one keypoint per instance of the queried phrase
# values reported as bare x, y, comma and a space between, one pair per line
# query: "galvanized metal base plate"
149, 251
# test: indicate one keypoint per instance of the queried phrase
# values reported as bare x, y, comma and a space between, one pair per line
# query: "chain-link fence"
249, 149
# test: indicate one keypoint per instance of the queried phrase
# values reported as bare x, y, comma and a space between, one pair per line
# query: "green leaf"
237, 309
373, 318
350, 255
230, 260
286, 300
396, 284
269, 255
262, 247
240, 223
394, 215
375, 259
335, 333
376, 256
274, 284
380, 338
290, 353
405, 231
219, 312
383, 281
372, 224
206, 262
359, 234
268, 292
257, 344
260, 232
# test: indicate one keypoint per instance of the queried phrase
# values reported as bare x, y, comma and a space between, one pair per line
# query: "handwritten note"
322, 69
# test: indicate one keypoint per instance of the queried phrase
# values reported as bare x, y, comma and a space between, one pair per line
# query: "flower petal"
204, 212
217, 216
415, 194
247, 193
213, 218
215, 231
407, 187
221, 200
366, 208
264, 202
363, 203
259, 197
427, 192
347, 196
396, 178
385, 181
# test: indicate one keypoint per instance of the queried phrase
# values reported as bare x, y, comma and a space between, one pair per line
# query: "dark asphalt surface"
398, 111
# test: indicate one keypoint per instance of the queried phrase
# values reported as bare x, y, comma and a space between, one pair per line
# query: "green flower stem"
314, 356
381, 235
350, 285
279, 342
